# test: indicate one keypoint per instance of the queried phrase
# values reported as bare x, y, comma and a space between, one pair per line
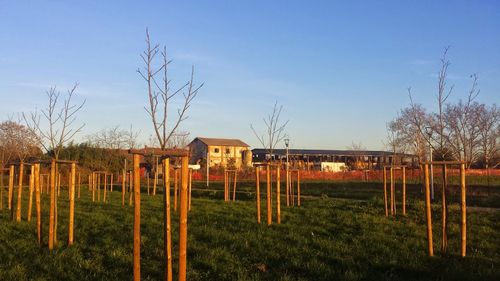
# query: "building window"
228, 151
216, 150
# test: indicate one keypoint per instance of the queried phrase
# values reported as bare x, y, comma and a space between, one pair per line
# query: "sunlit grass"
330, 237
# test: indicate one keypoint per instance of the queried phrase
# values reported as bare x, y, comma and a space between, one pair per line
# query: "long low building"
312, 159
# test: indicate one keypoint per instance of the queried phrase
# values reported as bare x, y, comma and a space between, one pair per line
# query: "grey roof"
221, 142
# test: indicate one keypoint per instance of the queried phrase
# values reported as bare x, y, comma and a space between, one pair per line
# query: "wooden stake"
155, 179
20, 192
166, 220
137, 219
124, 180
392, 192
130, 189
463, 211
58, 178
225, 185
428, 210
444, 242
71, 203
111, 184
98, 187
234, 187
298, 188
79, 184
385, 192
268, 182
404, 191
105, 186
176, 187
38, 190
31, 188
183, 220
93, 186
278, 195
257, 187
190, 187
287, 185
52, 203
11, 187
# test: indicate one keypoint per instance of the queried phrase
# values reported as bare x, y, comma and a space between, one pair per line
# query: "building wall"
220, 155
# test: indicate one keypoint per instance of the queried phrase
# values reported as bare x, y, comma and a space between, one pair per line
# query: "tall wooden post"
428, 210
11, 187
234, 186
137, 219
79, 184
225, 185
52, 203
56, 199
257, 187
99, 187
20, 192
105, 187
111, 183
38, 190
71, 203
93, 187
444, 242
463, 211
391, 188
155, 180
183, 220
385, 191
166, 220
131, 188
190, 187
268, 182
287, 184
278, 195
404, 190
176, 187
124, 180
298, 188
31, 189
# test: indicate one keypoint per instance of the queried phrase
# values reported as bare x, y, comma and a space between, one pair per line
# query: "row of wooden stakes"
428, 210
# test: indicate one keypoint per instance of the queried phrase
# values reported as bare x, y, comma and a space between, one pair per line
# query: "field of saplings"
339, 232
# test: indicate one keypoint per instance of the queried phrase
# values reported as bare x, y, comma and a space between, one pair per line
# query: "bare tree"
160, 93
179, 140
274, 130
443, 93
114, 138
58, 126
489, 131
358, 151
461, 121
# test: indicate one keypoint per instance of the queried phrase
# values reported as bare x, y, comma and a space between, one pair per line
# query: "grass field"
339, 233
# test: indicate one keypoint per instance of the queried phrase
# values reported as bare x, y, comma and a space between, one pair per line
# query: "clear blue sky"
340, 68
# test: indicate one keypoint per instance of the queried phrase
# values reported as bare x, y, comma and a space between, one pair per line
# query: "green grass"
339, 233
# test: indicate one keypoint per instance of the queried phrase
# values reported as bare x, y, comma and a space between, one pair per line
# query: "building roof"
326, 152
221, 142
